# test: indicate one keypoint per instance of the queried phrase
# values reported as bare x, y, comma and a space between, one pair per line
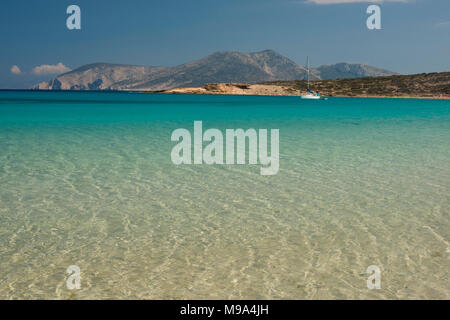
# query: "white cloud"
443, 24
15, 70
352, 1
51, 69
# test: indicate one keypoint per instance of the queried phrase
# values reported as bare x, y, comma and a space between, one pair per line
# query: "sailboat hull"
311, 97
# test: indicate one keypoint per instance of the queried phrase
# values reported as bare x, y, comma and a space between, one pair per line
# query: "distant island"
258, 73
219, 67
427, 85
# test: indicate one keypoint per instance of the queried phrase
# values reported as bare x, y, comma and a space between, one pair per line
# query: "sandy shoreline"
275, 90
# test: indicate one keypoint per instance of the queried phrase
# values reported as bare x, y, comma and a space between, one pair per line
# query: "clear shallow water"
86, 179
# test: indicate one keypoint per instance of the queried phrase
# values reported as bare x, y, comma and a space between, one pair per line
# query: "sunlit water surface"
86, 179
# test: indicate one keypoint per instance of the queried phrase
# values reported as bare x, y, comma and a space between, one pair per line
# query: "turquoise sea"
86, 179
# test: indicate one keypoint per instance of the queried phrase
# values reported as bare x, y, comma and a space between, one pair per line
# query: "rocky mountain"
224, 67
99, 76
347, 71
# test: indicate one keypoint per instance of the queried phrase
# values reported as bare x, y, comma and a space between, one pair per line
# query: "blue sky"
415, 35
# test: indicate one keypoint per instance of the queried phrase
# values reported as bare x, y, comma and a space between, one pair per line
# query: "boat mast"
307, 65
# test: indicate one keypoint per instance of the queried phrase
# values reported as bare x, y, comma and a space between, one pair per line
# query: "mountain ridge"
221, 66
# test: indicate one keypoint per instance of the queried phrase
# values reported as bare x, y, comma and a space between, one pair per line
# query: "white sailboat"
310, 95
